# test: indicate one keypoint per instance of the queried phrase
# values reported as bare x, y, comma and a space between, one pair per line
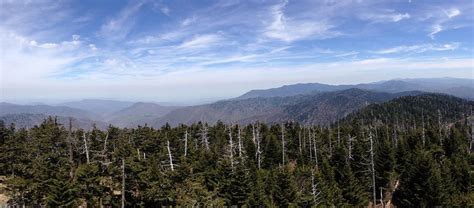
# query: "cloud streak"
419, 48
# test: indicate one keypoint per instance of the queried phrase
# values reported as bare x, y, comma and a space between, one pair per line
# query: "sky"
195, 51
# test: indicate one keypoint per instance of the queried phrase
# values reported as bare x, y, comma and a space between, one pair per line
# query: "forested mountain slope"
416, 163
406, 110
318, 108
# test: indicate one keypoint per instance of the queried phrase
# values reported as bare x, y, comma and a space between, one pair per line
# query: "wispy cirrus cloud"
419, 48
289, 29
442, 17
386, 17
201, 41
118, 27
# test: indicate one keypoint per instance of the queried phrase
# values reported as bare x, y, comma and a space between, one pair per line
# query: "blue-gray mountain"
454, 86
311, 103
315, 108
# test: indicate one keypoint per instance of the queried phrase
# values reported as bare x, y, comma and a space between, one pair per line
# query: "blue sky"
183, 51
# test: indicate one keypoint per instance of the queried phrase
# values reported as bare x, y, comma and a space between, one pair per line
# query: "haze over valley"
309, 103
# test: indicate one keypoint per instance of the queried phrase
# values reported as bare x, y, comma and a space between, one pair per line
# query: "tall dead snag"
314, 190
310, 140
315, 149
283, 144
239, 137
256, 137
231, 148
204, 136
330, 142
423, 128
299, 140
338, 134
304, 139
186, 143
395, 137
253, 134
104, 150
86, 148
439, 125
71, 152
372, 167
472, 137
123, 183
170, 156
471, 143
349, 147
138, 154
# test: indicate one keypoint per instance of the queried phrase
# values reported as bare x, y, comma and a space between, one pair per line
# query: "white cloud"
92, 47
435, 29
385, 17
289, 29
452, 13
441, 19
76, 37
201, 41
118, 28
188, 21
419, 48
48, 45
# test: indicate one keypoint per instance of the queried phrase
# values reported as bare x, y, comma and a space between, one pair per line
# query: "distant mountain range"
311, 103
316, 108
120, 114
138, 114
458, 87
28, 120
99, 107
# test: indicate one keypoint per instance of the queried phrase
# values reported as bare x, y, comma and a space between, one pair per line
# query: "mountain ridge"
441, 85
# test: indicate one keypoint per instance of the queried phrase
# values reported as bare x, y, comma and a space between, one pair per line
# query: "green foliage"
47, 165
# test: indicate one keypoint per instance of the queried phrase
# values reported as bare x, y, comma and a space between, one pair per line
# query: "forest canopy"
414, 151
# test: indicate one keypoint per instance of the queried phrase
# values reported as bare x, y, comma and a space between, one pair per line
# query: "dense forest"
414, 151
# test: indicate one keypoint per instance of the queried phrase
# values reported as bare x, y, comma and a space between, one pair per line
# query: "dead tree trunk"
204, 137
85, 146
186, 143
439, 125
299, 140
283, 144
253, 134
138, 154
310, 145
471, 143
71, 152
170, 156
314, 190
338, 134
330, 143
123, 183
315, 149
372, 168
423, 128
349, 148
240, 141
231, 149
104, 150
257, 142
